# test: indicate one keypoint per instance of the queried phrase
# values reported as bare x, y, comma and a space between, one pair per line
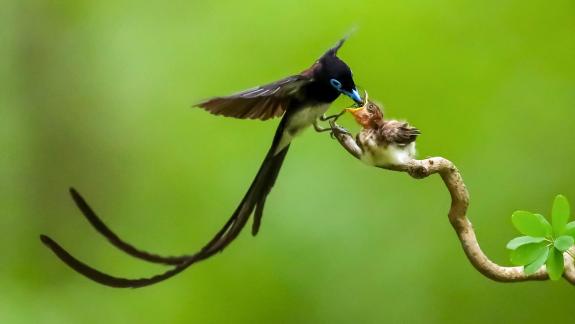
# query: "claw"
337, 130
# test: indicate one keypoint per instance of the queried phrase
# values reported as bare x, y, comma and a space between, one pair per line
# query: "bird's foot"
337, 130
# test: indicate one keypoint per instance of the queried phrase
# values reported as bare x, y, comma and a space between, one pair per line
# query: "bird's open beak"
360, 114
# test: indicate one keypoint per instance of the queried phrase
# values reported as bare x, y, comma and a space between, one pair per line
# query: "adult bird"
302, 99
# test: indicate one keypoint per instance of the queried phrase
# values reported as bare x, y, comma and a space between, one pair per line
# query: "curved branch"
452, 179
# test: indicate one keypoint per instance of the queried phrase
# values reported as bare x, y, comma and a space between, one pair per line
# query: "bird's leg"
345, 139
323, 117
320, 129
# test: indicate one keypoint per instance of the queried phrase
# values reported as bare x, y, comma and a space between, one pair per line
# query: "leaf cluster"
543, 242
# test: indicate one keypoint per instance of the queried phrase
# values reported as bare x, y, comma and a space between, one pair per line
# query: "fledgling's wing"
399, 132
263, 102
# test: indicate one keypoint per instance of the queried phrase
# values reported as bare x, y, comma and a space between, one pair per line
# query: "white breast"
299, 121
385, 155
304, 118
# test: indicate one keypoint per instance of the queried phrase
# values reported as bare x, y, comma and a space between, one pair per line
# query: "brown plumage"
371, 118
263, 102
383, 142
399, 132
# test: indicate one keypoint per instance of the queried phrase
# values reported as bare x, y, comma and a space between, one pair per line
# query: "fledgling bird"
381, 142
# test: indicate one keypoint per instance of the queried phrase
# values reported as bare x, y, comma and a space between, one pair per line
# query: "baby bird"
382, 142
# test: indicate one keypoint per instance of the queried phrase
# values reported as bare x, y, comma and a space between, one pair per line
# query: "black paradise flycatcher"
302, 99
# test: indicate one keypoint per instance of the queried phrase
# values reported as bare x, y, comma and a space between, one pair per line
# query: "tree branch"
420, 169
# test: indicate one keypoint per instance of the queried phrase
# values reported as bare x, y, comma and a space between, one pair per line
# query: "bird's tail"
254, 199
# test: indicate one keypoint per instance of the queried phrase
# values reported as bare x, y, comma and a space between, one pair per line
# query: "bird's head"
338, 74
369, 115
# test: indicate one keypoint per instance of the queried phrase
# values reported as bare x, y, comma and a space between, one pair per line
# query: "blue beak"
354, 95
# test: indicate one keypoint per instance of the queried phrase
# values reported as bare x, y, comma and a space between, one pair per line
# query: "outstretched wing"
263, 102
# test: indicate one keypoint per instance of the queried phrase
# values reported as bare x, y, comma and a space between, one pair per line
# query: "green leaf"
555, 264
563, 243
531, 224
560, 214
535, 265
522, 240
570, 229
545, 224
528, 253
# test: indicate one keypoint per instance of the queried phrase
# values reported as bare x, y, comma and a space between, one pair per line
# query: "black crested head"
332, 67
335, 76
333, 51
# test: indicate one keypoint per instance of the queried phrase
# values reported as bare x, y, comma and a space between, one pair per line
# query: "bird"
380, 142
301, 100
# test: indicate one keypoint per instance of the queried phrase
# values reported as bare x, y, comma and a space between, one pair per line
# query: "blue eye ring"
353, 94
336, 84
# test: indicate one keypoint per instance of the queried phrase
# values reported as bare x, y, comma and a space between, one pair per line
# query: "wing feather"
263, 102
399, 132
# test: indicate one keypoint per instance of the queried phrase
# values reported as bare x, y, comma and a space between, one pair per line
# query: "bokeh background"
98, 95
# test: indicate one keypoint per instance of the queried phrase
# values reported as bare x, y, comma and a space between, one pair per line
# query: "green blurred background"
97, 94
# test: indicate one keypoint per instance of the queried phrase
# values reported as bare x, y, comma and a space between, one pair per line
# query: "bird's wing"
263, 102
399, 132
